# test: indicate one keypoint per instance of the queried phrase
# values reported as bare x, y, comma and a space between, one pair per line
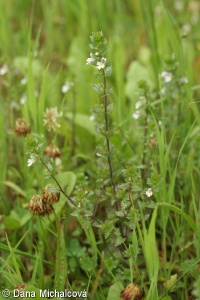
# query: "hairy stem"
107, 137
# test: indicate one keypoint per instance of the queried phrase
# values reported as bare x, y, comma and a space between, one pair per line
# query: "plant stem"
107, 137
56, 181
145, 138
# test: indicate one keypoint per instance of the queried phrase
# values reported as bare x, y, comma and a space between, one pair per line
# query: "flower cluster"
97, 57
42, 205
51, 117
100, 63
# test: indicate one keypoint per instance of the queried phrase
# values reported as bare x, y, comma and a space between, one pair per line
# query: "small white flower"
92, 117
23, 81
149, 192
31, 160
184, 80
167, 76
163, 91
136, 115
91, 59
23, 99
138, 104
3, 69
101, 64
66, 87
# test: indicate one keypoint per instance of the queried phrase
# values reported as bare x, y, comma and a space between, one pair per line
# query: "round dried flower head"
132, 291
20, 286
52, 151
36, 205
47, 209
48, 196
22, 127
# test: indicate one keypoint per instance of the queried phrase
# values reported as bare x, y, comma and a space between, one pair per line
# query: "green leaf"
88, 263
83, 121
11, 223
61, 261
108, 71
98, 88
15, 188
22, 64
136, 73
114, 291
33, 292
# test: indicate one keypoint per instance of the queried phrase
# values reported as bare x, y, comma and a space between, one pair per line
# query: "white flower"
167, 76
91, 59
184, 80
3, 69
23, 99
23, 81
66, 87
51, 117
91, 118
101, 64
136, 115
138, 104
149, 192
31, 160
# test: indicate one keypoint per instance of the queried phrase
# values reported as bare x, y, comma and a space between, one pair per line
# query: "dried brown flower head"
132, 292
48, 209
22, 127
52, 151
20, 286
38, 206
48, 196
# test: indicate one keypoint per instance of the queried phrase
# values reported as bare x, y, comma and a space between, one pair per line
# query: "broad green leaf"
114, 291
136, 73
83, 121
11, 223
22, 64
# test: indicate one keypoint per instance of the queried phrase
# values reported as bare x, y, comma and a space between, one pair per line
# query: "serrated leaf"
108, 71
98, 88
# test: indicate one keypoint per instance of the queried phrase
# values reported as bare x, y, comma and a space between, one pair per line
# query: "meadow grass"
127, 221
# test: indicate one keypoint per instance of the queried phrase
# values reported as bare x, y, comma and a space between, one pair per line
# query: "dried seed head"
48, 209
36, 205
22, 127
52, 151
153, 142
132, 291
20, 286
48, 196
